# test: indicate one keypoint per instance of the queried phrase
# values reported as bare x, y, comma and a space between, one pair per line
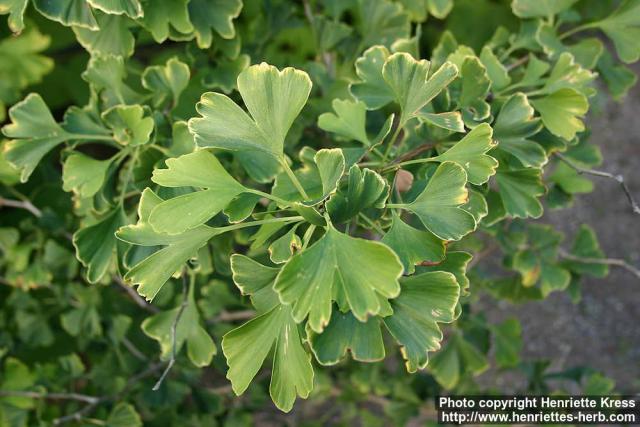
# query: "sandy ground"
603, 330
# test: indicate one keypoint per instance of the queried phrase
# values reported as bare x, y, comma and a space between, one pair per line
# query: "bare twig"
134, 350
616, 177
174, 329
141, 302
50, 396
21, 204
603, 261
517, 63
230, 316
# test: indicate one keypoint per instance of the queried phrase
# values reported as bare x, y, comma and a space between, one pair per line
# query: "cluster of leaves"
333, 200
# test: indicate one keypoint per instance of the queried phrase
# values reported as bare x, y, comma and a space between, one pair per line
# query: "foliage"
169, 208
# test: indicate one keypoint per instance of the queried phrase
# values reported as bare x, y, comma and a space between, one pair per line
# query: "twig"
603, 261
174, 328
618, 178
230, 316
133, 349
50, 396
21, 204
518, 63
141, 302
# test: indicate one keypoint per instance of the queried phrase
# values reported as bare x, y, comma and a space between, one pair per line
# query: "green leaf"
413, 246
514, 126
124, 415
332, 265
520, 190
129, 124
348, 121
330, 164
199, 169
438, 205
458, 357
274, 98
426, 300
107, 74
15, 9
163, 16
283, 248
474, 90
247, 347
411, 85
619, 79
112, 38
166, 83
152, 272
450, 121
540, 8
497, 72
567, 74
507, 342
623, 28
95, 244
372, 88
131, 8
218, 15
34, 133
200, 346
365, 189
381, 22
84, 175
456, 263
561, 112
440, 8
586, 246
225, 75
346, 333
470, 153
68, 12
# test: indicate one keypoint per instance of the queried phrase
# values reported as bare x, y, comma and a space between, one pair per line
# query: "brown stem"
603, 261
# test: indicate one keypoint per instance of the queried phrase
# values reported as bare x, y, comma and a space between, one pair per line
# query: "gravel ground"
602, 331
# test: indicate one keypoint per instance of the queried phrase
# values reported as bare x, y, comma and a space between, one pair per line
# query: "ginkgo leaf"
274, 98
68, 12
413, 246
34, 133
540, 8
330, 164
455, 262
450, 120
507, 341
283, 248
348, 120
154, 271
15, 9
124, 415
333, 264
439, 8
470, 153
411, 84
567, 74
514, 126
225, 75
586, 246
520, 190
160, 327
255, 280
496, 71
381, 22
107, 74
365, 189
346, 333
426, 300
623, 28
161, 16
247, 347
561, 112
372, 88
95, 244
218, 15
474, 89
199, 169
111, 38
131, 8
129, 124
84, 175
438, 205
456, 358
619, 79
166, 82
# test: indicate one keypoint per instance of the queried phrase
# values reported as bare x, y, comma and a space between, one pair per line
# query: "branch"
50, 396
605, 261
174, 327
230, 316
618, 178
141, 302
21, 204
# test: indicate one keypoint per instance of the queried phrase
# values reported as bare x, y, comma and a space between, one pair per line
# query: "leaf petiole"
294, 179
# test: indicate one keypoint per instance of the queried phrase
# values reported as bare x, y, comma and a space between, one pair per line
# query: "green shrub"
172, 214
